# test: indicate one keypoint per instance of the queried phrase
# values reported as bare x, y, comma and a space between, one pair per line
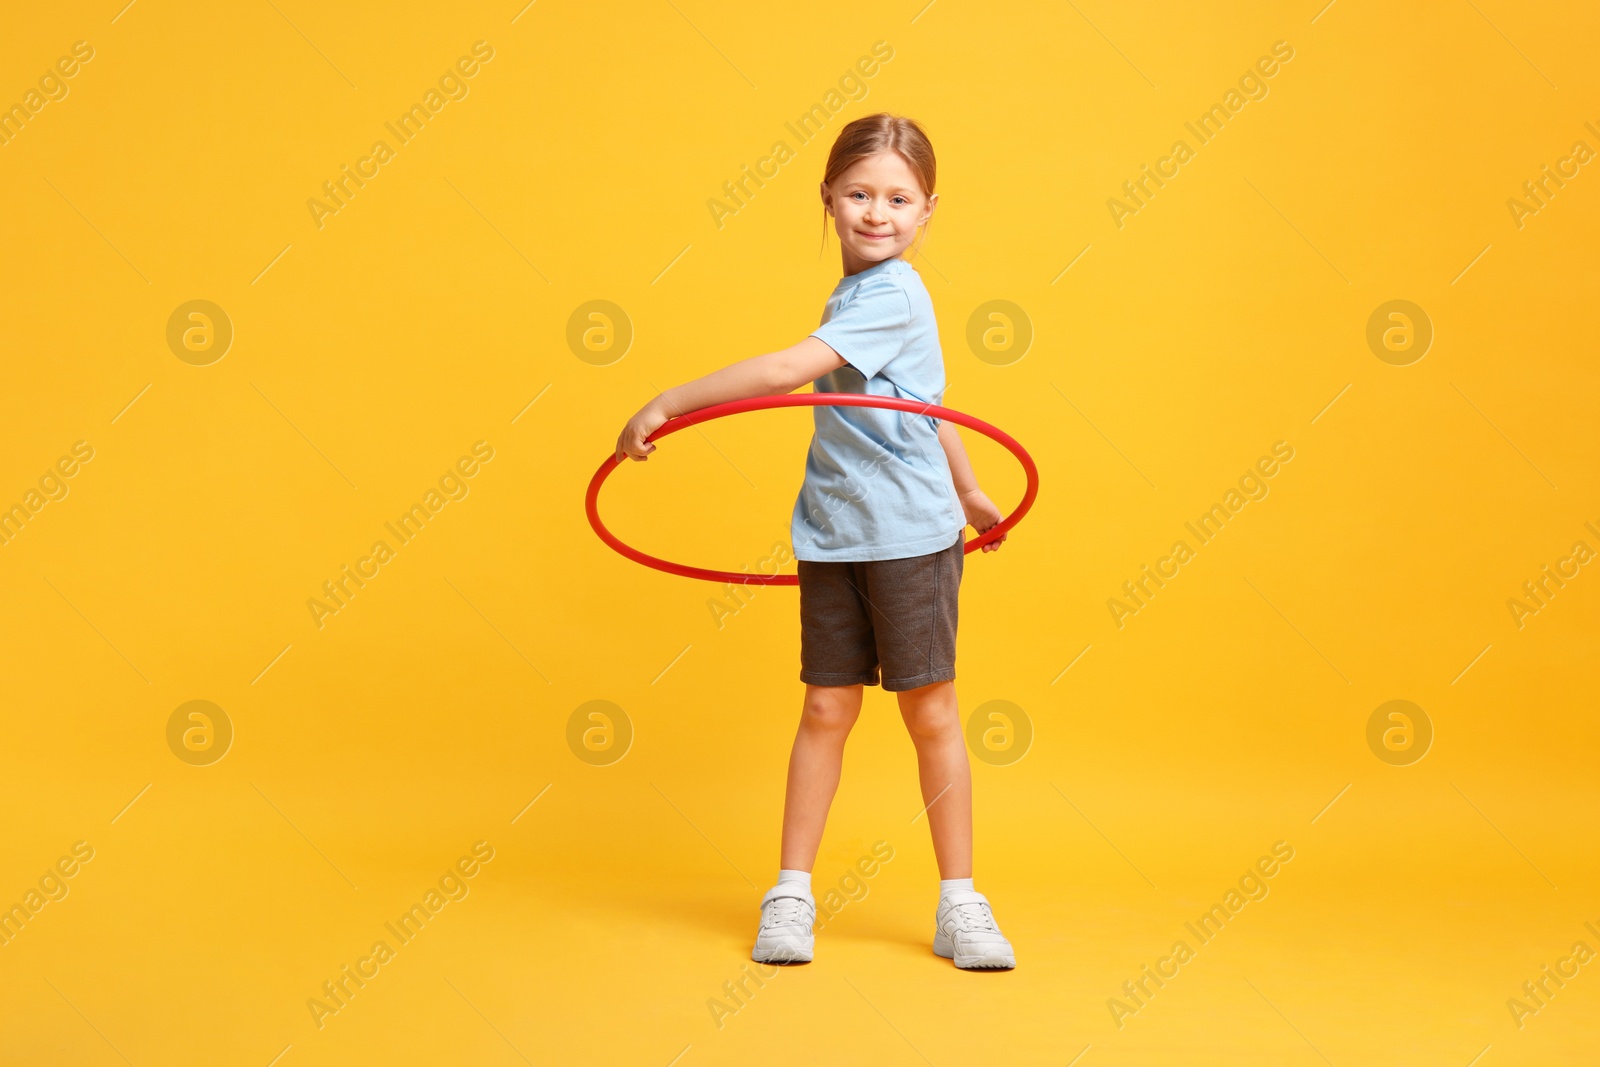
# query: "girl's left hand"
982, 514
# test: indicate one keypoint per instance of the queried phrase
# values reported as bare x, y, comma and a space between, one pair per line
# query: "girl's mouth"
876, 236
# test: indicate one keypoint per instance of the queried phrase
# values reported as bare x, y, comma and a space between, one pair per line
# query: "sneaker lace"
785, 911
975, 918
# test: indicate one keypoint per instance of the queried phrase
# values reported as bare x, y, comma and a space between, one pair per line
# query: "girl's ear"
827, 201
933, 202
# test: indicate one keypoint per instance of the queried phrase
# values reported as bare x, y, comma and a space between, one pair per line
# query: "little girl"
877, 531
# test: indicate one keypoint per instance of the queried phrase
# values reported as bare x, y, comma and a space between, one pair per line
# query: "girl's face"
877, 206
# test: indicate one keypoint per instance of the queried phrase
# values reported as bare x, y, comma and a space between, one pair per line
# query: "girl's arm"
774, 373
978, 508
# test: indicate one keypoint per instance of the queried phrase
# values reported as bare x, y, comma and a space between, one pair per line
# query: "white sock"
947, 884
786, 877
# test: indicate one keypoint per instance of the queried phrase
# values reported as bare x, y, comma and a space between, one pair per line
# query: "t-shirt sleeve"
870, 330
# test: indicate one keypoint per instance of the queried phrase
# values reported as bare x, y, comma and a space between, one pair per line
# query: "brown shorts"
900, 613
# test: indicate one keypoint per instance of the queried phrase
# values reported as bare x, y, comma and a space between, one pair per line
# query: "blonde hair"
871, 135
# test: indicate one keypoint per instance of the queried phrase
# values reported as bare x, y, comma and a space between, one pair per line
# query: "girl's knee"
932, 722
931, 712
834, 710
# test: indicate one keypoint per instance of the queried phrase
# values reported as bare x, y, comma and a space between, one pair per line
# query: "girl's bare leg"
814, 765
933, 719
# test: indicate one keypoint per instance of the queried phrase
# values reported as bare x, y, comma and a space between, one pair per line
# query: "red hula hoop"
795, 400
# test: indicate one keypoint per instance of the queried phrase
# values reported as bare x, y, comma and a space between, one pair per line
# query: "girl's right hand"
631, 441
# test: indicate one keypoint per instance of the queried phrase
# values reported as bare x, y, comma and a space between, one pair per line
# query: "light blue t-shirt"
877, 484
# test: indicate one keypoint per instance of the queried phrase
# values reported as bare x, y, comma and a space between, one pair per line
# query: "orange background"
370, 753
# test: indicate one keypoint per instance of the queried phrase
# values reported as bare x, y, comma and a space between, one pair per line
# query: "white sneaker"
965, 931
787, 912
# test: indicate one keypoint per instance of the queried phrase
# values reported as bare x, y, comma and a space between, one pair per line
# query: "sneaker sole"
983, 962
784, 950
